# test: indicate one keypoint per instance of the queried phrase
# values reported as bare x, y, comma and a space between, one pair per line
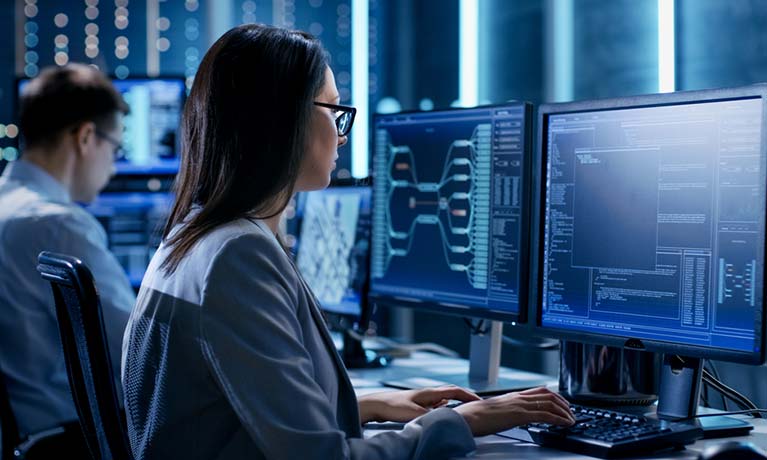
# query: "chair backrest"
9, 434
87, 358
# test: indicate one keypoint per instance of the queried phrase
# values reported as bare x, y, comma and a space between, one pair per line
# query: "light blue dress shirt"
37, 214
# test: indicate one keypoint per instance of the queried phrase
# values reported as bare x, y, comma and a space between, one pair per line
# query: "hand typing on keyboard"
499, 413
607, 434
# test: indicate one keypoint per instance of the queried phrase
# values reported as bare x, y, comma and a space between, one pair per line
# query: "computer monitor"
150, 140
450, 219
333, 246
332, 251
651, 228
134, 223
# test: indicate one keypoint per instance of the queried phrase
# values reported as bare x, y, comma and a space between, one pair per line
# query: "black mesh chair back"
87, 358
9, 435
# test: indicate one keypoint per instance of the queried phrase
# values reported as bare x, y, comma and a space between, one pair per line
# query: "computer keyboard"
609, 434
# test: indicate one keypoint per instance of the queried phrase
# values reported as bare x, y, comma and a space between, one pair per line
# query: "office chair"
85, 351
41, 445
9, 435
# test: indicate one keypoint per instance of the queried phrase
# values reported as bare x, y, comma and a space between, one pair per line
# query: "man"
71, 125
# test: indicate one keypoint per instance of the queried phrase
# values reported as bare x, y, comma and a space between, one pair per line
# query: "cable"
706, 385
716, 376
741, 400
477, 329
716, 383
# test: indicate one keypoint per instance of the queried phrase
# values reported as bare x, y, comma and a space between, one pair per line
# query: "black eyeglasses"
119, 152
344, 119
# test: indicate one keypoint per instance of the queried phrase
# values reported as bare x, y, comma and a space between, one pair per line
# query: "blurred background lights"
91, 12
11, 130
10, 154
163, 44
163, 24
61, 58
122, 72
61, 20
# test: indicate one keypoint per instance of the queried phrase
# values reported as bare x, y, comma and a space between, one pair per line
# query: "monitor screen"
150, 138
134, 223
653, 222
450, 210
333, 246
150, 141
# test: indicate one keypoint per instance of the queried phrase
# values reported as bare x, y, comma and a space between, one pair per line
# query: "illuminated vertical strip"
468, 62
360, 87
666, 47
152, 35
559, 39
563, 50
220, 19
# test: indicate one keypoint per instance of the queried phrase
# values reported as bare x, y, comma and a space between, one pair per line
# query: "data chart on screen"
448, 206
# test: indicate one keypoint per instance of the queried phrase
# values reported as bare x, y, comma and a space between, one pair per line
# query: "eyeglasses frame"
340, 108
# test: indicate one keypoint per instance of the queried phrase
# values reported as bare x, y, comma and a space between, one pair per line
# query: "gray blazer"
229, 358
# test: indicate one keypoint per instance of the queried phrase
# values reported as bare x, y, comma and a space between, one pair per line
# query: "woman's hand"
500, 413
405, 405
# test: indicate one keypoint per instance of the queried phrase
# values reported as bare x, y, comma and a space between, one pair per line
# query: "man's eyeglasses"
119, 152
344, 116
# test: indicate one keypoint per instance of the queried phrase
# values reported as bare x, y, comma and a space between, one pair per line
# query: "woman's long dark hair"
243, 131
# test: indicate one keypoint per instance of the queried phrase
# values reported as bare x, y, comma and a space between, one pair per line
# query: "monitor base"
355, 356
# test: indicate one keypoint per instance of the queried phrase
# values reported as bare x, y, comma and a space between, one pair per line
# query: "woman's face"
322, 140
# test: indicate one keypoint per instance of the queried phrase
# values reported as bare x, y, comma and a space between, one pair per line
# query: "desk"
497, 447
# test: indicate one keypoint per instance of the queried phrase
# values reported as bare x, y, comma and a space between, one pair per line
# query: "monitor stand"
680, 383
484, 376
604, 376
355, 356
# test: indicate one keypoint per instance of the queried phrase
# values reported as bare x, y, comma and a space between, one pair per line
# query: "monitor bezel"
545, 111
454, 309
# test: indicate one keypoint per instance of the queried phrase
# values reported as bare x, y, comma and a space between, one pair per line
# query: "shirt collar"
38, 179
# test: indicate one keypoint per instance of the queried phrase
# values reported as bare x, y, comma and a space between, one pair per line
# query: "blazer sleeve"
251, 340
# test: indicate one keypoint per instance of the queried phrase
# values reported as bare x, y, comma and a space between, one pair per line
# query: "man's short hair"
61, 98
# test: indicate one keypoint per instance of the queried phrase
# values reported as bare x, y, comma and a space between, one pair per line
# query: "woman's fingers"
434, 395
544, 391
549, 417
549, 406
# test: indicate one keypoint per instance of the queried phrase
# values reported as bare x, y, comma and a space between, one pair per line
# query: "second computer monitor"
150, 140
652, 222
333, 247
450, 210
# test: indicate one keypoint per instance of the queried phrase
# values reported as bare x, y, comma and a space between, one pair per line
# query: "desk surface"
496, 447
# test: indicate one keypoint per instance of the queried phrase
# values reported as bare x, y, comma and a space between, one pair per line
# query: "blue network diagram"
447, 207
333, 246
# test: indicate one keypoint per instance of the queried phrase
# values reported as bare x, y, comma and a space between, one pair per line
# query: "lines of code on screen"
654, 223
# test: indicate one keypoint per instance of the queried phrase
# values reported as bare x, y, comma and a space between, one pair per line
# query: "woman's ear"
83, 136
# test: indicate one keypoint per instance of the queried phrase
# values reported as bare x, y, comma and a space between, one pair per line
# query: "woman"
226, 354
